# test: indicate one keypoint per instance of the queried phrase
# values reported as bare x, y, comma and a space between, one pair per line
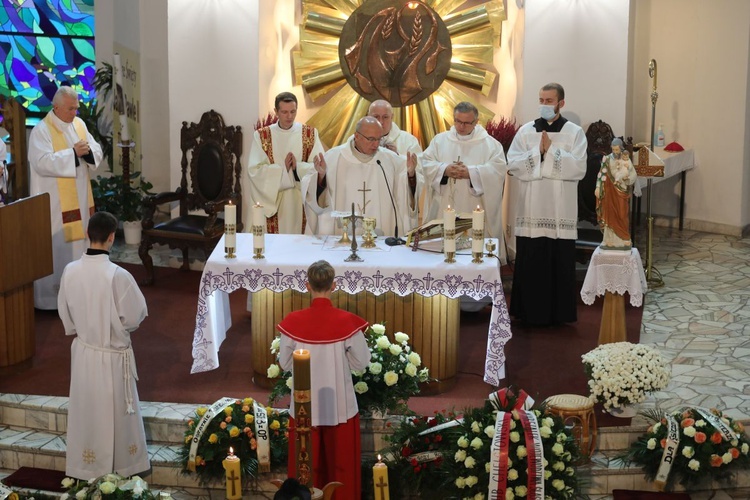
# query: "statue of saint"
614, 185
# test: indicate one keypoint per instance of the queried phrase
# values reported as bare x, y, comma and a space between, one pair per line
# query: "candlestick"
449, 234
230, 229
259, 231
303, 449
232, 467
380, 480
477, 233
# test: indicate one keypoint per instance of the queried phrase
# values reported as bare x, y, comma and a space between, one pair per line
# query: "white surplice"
101, 304
271, 184
46, 166
347, 176
484, 158
403, 141
547, 190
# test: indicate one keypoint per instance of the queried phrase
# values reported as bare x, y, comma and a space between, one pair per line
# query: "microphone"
391, 241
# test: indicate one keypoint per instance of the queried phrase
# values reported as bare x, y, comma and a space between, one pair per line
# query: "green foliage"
112, 195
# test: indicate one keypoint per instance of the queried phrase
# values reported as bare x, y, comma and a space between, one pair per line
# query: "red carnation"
716, 438
735, 453
700, 437
716, 461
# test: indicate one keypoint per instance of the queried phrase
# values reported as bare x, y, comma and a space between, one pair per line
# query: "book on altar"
433, 230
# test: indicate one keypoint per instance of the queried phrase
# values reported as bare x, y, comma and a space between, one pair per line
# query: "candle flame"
230, 202
449, 207
379, 457
478, 208
231, 451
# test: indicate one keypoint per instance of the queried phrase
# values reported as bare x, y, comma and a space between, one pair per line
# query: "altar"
410, 278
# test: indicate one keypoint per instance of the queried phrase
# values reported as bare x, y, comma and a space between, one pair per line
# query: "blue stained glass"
36, 60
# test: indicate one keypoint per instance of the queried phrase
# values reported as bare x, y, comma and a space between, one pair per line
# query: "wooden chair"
211, 161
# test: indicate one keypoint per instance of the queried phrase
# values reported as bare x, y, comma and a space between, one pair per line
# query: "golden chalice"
368, 232
490, 246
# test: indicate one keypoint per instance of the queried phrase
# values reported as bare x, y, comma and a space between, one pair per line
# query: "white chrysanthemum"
378, 329
382, 342
375, 368
401, 337
390, 378
688, 452
694, 464
361, 387
273, 371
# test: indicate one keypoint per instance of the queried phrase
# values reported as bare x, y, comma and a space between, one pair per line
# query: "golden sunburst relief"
450, 47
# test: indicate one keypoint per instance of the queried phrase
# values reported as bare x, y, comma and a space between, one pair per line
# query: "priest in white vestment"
548, 158
465, 167
100, 303
61, 154
372, 178
397, 140
280, 157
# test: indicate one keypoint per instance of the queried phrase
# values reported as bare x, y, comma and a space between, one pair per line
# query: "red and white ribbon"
499, 457
535, 455
669, 454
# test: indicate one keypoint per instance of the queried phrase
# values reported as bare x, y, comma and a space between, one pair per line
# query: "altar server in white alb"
61, 154
280, 157
548, 157
464, 167
101, 304
375, 179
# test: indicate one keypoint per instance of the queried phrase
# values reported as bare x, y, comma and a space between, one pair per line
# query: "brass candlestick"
477, 240
258, 234
229, 253
450, 257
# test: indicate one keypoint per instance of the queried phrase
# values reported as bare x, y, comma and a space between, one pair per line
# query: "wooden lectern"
25, 256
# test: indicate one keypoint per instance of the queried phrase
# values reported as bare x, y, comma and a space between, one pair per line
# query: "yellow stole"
66, 187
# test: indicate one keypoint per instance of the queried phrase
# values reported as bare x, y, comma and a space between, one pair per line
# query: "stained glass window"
44, 43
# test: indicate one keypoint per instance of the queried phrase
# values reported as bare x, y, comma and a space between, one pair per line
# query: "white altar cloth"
385, 269
674, 163
616, 273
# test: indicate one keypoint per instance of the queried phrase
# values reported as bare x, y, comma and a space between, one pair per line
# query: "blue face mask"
547, 111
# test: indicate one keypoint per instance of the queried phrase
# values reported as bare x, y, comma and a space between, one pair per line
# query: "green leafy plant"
124, 201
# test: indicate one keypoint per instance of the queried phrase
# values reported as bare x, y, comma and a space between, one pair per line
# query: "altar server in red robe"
337, 345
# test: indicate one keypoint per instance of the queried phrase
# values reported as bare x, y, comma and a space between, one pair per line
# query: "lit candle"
232, 467
449, 224
477, 226
259, 219
302, 447
230, 225
380, 480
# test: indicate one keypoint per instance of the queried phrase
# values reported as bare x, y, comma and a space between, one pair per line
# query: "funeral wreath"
623, 374
690, 447
392, 377
258, 436
107, 486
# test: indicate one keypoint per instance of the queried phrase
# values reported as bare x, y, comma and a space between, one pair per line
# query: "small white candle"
259, 220
477, 224
449, 224
230, 225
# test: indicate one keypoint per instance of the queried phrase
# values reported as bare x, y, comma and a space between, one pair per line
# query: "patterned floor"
699, 319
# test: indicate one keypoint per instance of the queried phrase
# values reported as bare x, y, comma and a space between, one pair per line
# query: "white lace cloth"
616, 272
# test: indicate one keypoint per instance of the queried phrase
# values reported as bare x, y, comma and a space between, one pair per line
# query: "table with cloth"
612, 274
416, 292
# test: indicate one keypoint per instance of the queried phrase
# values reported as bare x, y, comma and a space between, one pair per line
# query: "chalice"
368, 240
490, 246
345, 231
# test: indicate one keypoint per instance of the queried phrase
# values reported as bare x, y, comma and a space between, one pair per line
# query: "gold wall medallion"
394, 50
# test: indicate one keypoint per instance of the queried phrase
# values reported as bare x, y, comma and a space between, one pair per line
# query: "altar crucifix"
365, 201
353, 218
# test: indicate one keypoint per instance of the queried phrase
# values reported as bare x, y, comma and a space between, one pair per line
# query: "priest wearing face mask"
371, 177
464, 167
548, 158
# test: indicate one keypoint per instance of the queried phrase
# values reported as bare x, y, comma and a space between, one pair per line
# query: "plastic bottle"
659, 137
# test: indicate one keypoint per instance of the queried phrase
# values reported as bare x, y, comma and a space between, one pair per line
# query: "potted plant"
621, 374
123, 200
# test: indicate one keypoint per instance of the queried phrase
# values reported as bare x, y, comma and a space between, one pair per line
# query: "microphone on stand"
391, 241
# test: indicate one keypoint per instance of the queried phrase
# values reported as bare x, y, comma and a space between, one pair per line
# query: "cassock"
101, 304
337, 346
348, 174
52, 161
544, 288
484, 157
271, 184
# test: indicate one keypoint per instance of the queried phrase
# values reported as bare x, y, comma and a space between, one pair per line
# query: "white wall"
701, 49
583, 45
212, 64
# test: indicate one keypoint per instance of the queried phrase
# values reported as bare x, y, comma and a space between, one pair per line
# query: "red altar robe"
337, 345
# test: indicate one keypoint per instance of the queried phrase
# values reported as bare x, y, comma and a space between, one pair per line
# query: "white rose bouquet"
393, 376
623, 373
107, 486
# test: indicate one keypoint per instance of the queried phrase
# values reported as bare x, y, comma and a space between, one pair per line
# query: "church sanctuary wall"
702, 51
582, 45
213, 64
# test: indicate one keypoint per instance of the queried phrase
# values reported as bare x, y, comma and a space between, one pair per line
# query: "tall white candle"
449, 224
477, 224
230, 225
117, 70
259, 219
